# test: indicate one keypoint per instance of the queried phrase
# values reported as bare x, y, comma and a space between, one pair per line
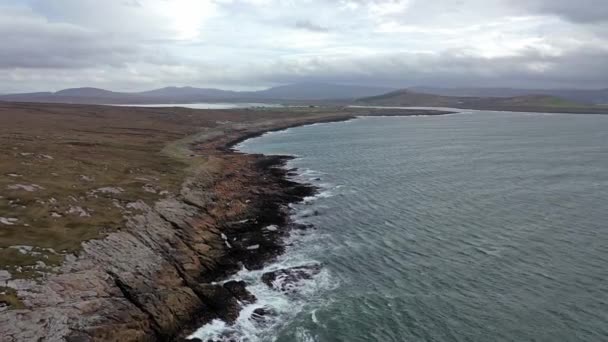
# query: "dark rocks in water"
261, 315
226, 301
299, 191
287, 280
239, 291
255, 250
219, 299
312, 213
225, 338
302, 226
261, 312
265, 162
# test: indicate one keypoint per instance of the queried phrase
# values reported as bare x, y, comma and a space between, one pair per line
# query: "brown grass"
66, 153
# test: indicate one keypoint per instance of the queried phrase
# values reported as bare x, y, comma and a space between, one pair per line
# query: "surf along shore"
117, 222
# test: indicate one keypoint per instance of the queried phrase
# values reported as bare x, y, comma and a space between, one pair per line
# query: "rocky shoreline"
156, 278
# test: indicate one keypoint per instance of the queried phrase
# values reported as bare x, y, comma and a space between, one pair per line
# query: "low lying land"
524, 103
114, 221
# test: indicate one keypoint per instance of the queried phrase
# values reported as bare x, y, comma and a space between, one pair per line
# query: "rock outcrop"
288, 280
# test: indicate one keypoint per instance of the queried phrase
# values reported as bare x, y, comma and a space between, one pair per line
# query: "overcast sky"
246, 44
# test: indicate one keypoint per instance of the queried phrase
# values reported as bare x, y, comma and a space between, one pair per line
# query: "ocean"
479, 226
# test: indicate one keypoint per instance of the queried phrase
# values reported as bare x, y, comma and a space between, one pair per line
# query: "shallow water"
468, 227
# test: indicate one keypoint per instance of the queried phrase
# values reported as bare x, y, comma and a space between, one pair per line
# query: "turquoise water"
470, 227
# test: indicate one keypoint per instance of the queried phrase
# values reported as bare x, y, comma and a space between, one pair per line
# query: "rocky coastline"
156, 279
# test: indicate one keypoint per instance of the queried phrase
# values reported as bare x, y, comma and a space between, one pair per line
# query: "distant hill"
594, 96
72, 95
532, 103
190, 92
319, 91
295, 92
410, 99
88, 92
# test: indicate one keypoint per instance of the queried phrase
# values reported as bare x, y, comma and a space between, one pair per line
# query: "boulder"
239, 290
288, 280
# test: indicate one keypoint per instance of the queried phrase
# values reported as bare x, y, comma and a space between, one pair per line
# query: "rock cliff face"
152, 280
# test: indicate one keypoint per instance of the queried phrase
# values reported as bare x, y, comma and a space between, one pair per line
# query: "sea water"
481, 226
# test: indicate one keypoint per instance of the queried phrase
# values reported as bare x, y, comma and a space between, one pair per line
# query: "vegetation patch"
9, 299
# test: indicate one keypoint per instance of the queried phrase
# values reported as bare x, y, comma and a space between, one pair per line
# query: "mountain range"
292, 92
336, 93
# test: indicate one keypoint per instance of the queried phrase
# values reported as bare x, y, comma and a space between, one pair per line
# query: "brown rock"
221, 301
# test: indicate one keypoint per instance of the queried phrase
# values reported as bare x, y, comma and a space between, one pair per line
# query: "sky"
132, 45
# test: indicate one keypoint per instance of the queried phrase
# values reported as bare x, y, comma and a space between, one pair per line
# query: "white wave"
305, 173
283, 306
322, 194
313, 316
303, 335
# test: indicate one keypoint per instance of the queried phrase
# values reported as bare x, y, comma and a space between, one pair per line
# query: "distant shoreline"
546, 110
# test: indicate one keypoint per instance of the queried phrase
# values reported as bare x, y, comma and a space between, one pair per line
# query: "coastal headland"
117, 223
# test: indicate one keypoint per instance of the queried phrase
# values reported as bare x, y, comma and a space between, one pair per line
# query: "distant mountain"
102, 96
292, 92
27, 95
319, 91
598, 96
182, 92
72, 95
532, 103
88, 92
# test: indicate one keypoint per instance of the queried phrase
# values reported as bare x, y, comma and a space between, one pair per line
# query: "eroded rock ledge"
153, 279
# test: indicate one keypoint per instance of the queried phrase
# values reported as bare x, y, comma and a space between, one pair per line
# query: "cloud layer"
240, 44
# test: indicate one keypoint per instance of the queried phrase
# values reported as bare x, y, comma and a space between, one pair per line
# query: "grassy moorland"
69, 172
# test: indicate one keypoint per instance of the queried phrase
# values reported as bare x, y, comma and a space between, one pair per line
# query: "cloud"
308, 25
31, 41
582, 11
139, 44
132, 3
530, 69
